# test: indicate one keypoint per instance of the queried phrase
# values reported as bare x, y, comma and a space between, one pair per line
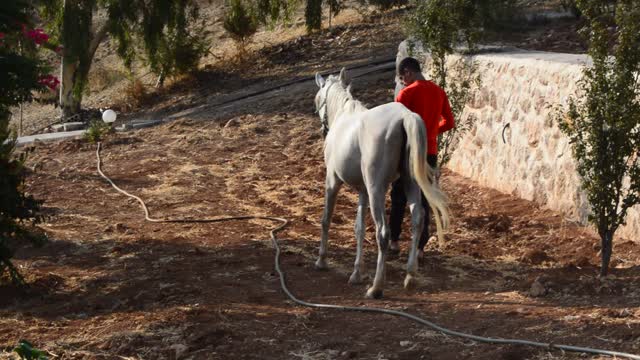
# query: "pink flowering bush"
37, 35
21, 37
49, 81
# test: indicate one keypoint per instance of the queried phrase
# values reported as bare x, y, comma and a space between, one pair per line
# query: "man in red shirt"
430, 102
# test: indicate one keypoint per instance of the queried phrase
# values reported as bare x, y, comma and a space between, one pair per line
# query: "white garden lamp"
109, 116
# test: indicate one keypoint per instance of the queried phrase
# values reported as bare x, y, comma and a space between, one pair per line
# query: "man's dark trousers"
399, 203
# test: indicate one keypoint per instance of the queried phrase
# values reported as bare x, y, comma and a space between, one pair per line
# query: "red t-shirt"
428, 100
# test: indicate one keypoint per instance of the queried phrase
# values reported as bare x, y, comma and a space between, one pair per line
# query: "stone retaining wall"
521, 88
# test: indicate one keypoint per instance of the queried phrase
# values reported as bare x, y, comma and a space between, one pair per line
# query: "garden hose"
283, 284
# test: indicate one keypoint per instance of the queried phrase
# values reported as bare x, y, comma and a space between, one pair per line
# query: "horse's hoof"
374, 294
410, 282
355, 279
321, 264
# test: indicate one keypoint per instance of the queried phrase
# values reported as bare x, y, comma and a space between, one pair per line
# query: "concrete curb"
77, 134
383, 64
26, 140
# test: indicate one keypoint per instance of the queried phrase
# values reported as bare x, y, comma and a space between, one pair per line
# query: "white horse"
369, 149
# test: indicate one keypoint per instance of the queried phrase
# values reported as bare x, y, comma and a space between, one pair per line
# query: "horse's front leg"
382, 237
332, 186
358, 267
414, 198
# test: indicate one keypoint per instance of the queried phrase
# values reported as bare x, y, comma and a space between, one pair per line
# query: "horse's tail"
423, 173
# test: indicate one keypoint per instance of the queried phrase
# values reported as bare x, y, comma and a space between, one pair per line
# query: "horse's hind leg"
376, 196
358, 267
332, 187
414, 198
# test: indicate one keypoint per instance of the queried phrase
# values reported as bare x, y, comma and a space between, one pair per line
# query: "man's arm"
446, 123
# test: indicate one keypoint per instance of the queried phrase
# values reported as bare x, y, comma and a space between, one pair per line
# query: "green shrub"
313, 14
26, 351
240, 22
21, 74
97, 131
180, 50
269, 12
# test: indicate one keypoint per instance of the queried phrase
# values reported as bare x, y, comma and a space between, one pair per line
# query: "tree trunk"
161, 78
74, 75
607, 248
69, 103
20, 128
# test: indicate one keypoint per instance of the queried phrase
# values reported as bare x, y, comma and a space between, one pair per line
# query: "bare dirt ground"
109, 285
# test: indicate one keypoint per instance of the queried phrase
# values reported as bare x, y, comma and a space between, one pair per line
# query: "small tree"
21, 73
313, 15
440, 26
604, 125
269, 12
313, 12
180, 50
241, 23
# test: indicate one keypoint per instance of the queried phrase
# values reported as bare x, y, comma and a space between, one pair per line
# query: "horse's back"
366, 147
382, 140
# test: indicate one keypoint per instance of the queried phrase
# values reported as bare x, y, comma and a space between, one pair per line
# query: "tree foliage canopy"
240, 21
168, 31
604, 125
21, 74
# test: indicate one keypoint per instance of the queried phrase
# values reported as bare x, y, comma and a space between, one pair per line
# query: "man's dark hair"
409, 63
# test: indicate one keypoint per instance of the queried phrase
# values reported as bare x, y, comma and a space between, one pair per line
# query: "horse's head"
322, 96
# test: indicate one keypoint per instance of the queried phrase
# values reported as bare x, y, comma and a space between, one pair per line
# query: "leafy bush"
313, 14
97, 131
21, 74
241, 23
269, 12
27, 351
180, 49
16, 208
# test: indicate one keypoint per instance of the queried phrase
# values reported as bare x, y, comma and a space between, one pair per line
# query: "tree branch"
97, 39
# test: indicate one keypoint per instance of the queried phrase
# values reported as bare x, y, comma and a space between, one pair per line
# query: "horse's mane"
340, 101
